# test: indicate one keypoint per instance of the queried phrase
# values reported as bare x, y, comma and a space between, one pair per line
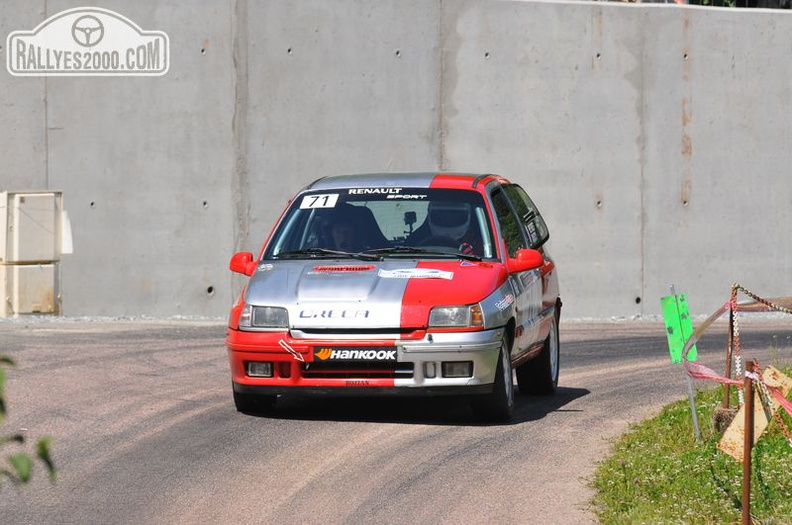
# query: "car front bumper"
418, 369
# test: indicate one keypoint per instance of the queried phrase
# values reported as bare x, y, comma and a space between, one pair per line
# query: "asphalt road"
144, 431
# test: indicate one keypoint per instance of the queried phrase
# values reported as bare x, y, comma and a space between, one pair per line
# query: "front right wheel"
254, 404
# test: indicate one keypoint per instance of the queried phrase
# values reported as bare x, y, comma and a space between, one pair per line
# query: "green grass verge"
658, 473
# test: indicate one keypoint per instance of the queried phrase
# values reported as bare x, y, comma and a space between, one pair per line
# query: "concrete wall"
655, 138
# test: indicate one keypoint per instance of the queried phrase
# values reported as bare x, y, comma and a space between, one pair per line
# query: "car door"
537, 234
527, 285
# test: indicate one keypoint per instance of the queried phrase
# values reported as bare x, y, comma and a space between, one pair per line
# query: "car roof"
410, 180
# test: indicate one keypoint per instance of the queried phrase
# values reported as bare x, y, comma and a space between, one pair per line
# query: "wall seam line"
441, 90
642, 182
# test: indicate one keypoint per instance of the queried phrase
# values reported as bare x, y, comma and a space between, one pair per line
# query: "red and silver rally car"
399, 284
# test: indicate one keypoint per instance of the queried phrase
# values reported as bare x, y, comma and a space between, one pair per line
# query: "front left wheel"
499, 404
540, 374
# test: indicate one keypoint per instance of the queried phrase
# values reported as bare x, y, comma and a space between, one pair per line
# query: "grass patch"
658, 473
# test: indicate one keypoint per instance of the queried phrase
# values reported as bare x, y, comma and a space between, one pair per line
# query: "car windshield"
391, 222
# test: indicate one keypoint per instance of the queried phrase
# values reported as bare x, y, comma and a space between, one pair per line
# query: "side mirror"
526, 260
243, 263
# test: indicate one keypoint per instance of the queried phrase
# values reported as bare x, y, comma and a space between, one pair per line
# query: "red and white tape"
699, 371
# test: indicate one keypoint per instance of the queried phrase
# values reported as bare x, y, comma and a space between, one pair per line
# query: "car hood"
395, 294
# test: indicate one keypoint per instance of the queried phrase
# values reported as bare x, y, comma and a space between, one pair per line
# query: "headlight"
456, 316
267, 317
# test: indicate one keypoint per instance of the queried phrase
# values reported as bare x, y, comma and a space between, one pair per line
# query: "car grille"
317, 370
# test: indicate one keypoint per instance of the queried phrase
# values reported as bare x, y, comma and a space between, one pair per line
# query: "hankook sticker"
415, 273
354, 354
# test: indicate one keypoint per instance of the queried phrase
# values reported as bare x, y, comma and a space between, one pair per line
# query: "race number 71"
326, 200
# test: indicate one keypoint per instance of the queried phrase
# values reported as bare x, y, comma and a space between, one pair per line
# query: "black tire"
254, 404
499, 404
539, 376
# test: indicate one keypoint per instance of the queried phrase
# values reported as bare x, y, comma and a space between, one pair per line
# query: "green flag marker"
679, 326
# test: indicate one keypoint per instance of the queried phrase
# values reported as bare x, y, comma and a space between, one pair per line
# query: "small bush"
20, 464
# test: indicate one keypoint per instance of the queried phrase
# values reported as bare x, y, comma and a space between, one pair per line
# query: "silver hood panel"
350, 295
328, 294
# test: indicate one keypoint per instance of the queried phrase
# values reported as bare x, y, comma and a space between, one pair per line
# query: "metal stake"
693, 412
748, 445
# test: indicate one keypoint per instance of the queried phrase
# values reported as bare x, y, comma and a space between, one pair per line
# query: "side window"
532, 221
509, 226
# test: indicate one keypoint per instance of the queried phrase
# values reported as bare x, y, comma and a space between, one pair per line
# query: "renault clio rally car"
399, 284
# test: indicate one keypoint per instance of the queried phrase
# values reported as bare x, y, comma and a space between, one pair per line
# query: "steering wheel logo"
87, 31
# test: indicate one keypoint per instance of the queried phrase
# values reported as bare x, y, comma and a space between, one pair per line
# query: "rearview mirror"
243, 263
525, 260
410, 218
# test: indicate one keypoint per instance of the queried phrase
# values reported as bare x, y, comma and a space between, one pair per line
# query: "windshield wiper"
412, 250
324, 252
